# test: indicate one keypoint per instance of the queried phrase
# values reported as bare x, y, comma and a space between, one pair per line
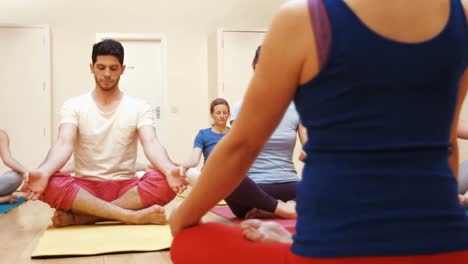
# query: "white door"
25, 105
144, 76
235, 69
237, 52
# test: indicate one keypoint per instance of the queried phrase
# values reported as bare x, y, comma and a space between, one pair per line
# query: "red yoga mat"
224, 211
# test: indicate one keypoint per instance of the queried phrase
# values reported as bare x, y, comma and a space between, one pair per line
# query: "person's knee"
60, 192
204, 236
161, 196
154, 189
10, 182
226, 243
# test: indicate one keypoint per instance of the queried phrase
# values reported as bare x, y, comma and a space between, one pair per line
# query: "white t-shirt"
106, 146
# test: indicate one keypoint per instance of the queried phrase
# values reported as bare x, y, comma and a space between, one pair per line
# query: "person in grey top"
274, 164
270, 186
11, 180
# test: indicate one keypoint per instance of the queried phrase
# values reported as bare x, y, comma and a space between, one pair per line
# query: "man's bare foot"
62, 219
257, 213
286, 209
8, 199
151, 215
265, 232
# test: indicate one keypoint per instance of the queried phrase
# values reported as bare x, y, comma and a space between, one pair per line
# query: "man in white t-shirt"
101, 129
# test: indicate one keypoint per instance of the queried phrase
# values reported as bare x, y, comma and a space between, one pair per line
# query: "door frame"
148, 37
220, 57
47, 82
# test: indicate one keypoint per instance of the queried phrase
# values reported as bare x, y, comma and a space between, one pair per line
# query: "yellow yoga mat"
186, 193
101, 239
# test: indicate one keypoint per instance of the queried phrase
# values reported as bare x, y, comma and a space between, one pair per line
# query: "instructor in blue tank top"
379, 86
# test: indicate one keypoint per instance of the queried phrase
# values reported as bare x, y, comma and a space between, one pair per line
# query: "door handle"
157, 109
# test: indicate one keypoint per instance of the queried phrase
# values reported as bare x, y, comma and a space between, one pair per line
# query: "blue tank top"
377, 181
206, 139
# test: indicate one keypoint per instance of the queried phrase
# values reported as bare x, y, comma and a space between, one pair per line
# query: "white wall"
189, 26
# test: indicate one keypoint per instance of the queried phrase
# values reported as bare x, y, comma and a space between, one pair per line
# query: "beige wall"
189, 26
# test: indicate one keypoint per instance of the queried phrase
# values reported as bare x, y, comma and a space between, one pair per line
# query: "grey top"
274, 163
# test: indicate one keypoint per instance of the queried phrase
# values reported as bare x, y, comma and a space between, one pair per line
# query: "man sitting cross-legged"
101, 129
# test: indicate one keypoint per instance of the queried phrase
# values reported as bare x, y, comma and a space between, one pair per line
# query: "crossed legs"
252, 200
81, 201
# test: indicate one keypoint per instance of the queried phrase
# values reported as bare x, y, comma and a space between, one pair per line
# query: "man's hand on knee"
176, 179
35, 182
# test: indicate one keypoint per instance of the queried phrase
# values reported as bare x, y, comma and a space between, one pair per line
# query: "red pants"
63, 188
220, 243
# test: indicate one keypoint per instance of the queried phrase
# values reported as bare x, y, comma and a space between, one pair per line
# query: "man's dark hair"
257, 55
108, 47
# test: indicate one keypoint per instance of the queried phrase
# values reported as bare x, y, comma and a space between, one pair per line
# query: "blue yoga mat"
4, 208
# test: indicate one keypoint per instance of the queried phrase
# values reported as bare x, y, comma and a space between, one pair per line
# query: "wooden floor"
21, 228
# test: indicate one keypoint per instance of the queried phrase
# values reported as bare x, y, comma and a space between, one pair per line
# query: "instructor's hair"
257, 55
